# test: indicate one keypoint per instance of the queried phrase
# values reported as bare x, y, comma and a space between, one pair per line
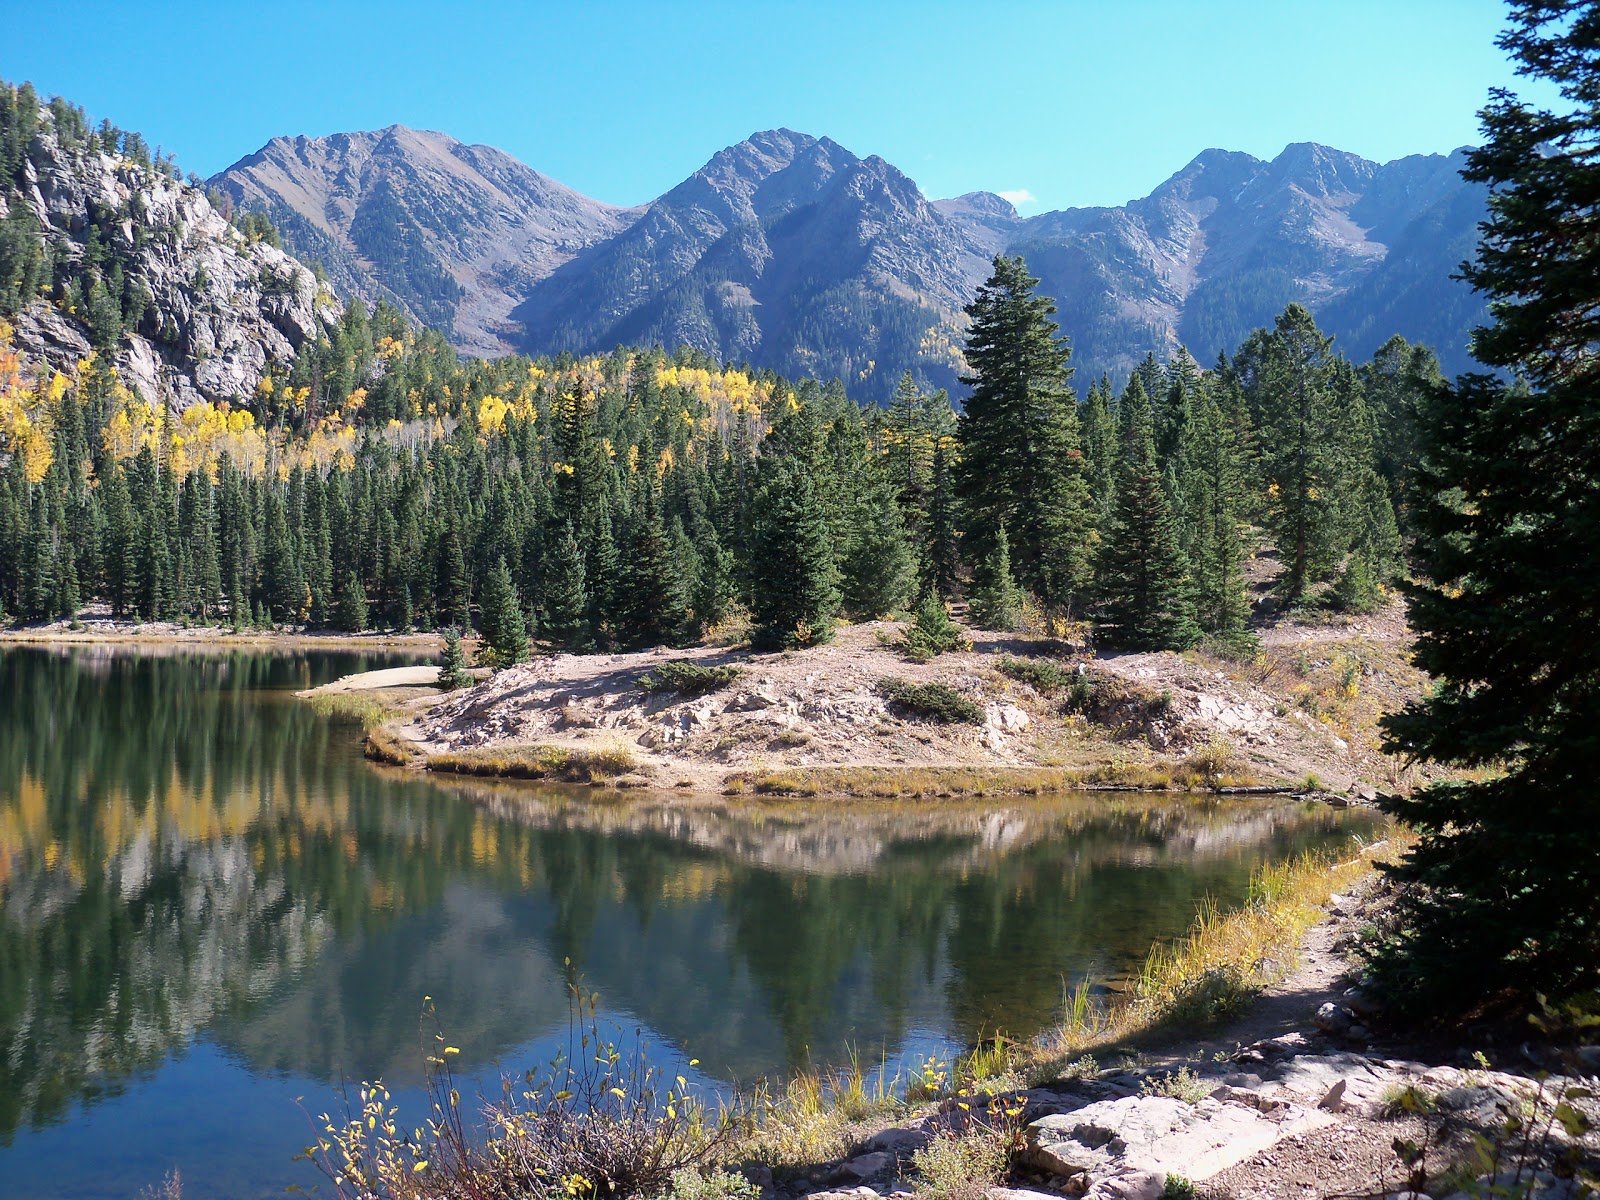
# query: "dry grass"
1203, 770
1215, 970
363, 707
384, 745
566, 764
903, 783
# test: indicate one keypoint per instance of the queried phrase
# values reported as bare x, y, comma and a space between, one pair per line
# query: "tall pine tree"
1500, 891
1021, 460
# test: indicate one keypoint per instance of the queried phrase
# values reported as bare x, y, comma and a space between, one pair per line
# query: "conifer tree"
1214, 482
651, 602
792, 594
1144, 581
996, 600
452, 661
350, 608
1100, 452
566, 598
1021, 460
877, 573
942, 562
1499, 895
505, 637
1301, 442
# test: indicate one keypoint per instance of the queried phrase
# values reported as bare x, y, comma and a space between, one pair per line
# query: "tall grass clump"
596, 1122
566, 764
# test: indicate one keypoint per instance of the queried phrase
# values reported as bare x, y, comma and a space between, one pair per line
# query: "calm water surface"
210, 906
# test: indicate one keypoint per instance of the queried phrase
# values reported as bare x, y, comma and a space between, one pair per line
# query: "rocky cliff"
453, 235
138, 265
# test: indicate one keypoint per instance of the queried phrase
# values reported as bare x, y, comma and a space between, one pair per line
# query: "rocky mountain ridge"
453, 235
201, 308
793, 253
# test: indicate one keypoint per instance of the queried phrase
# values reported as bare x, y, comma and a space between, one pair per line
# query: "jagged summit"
793, 252
449, 232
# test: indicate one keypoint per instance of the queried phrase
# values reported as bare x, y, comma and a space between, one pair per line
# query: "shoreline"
160, 633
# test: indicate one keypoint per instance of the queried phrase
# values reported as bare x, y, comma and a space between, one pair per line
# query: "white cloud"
1018, 196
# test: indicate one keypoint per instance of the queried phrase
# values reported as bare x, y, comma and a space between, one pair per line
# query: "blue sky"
1071, 103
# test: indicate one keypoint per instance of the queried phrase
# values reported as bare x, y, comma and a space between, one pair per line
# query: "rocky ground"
1299, 712
1299, 1098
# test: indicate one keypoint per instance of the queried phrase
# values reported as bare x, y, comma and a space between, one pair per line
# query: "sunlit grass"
568, 764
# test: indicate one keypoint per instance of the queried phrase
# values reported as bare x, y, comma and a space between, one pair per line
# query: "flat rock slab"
1160, 1135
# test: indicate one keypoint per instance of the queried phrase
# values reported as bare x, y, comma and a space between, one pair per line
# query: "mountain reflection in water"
199, 876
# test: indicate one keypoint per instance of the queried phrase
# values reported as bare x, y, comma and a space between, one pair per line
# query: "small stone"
867, 1165
1333, 1100
1128, 1185
1333, 1018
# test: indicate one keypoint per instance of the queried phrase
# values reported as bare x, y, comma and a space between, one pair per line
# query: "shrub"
1236, 646
932, 633
964, 1166
693, 1183
687, 678
1042, 674
599, 1123
936, 701
1182, 1084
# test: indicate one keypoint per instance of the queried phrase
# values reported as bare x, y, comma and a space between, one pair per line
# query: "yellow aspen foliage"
25, 413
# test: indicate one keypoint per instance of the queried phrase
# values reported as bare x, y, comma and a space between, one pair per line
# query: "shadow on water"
203, 887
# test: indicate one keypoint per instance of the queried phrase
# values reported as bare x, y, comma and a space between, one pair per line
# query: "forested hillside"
372, 477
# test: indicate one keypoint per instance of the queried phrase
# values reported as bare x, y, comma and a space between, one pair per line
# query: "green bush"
932, 633
1239, 645
687, 678
935, 701
1042, 674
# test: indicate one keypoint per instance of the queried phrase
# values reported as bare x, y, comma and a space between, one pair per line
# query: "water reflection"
188, 857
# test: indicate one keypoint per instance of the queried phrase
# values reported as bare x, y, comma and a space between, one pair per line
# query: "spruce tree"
877, 574
1214, 483
350, 607
452, 661
1499, 893
1021, 459
505, 637
792, 594
996, 600
566, 598
651, 602
1144, 578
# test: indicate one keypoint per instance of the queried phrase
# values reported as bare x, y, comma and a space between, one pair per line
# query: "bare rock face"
221, 307
455, 236
1160, 1136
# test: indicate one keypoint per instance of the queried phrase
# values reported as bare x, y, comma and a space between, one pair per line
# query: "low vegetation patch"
687, 678
565, 764
601, 1123
930, 634
935, 701
903, 783
363, 707
1043, 675
383, 745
